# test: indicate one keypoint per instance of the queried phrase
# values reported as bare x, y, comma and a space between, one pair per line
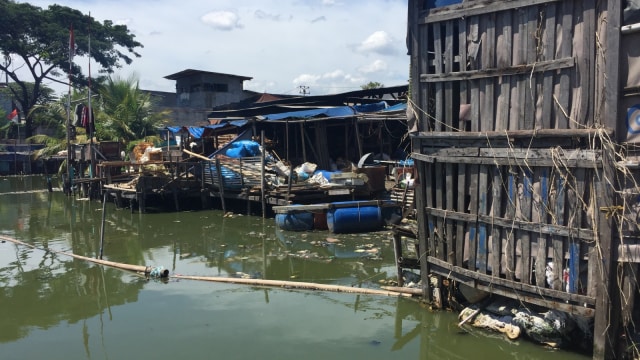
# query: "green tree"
56, 114
39, 40
126, 112
371, 85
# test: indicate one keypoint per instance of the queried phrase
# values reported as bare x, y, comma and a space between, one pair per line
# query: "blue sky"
330, 46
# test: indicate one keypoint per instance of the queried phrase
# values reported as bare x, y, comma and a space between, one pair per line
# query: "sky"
286, 46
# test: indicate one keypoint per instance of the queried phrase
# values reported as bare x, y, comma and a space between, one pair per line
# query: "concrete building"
198, 92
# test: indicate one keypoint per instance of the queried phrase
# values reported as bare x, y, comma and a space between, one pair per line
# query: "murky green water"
56, 307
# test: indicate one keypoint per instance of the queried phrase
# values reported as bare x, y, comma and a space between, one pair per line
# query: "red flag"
72, 44
13, 115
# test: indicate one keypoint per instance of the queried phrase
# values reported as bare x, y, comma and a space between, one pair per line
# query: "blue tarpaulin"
381, 105
196, 132
306, 114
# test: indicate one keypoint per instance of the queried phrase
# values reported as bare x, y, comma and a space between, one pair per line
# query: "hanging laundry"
77, 115
87, 120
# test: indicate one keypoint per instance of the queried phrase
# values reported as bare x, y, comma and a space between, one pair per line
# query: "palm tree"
56, 113
128, 113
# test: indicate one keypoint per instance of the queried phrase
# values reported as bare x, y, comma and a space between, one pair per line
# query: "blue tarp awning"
198, 132
340, 111
396, 107
330, 112
365, 108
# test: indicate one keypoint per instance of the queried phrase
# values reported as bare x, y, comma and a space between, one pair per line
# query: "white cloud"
222, 20
283, 44
374, 67
306, 79
379, 42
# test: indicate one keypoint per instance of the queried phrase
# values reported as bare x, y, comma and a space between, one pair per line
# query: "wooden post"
357, 133
176, 197
304, 145
420, 199
220, 185
606, 322
262, 182
397, 251
104, 213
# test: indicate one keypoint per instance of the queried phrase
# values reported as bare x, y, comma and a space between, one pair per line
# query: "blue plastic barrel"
296, 221
354, 219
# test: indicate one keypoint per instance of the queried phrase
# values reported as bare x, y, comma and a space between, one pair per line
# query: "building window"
209, 87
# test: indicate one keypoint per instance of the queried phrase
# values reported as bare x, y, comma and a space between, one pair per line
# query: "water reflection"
48, 300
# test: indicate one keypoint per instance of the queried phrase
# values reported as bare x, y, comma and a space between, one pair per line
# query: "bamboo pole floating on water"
254, 282
136, 268
293, 285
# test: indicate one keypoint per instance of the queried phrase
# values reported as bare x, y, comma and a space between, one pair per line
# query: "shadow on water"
50, 301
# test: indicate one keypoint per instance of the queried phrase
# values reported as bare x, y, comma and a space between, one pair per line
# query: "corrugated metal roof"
191, 72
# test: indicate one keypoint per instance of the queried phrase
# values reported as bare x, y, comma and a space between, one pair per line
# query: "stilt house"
527, 119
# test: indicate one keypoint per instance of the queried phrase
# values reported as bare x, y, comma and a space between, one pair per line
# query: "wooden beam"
490, 135
550, 229
569, 163
478, 7
514, 288
537, 67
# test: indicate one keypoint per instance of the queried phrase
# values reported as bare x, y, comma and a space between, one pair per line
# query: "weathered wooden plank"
581, 76
467, 151
562, 121
438, 69
505, 161
504, 49
557, 242
575, 200
531, 28
511, 224
461, 208
483, 209
523, 212
424, 60
628, 292
423, 229
474, 91
496, 211
454, 215
520, 58
473, 206
537, 216
450, 248
440, 236
450, 116
429, 186
535, 153
487, 116
472, 8
462, 273
516, 134
462, 66
514, 104
517, 153
542, 213
508, 232
548, 53
493, 72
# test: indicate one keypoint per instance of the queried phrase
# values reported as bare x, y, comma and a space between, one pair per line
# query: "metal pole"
71, 50
104, 213
262, 183
92, 168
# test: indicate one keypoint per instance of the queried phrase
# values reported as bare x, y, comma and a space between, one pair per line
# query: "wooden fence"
518, 149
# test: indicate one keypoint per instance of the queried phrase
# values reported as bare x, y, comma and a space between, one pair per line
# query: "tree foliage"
372, 85
126, 112
38, 39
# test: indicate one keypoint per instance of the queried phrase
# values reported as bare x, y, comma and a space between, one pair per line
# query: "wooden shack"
525, 133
